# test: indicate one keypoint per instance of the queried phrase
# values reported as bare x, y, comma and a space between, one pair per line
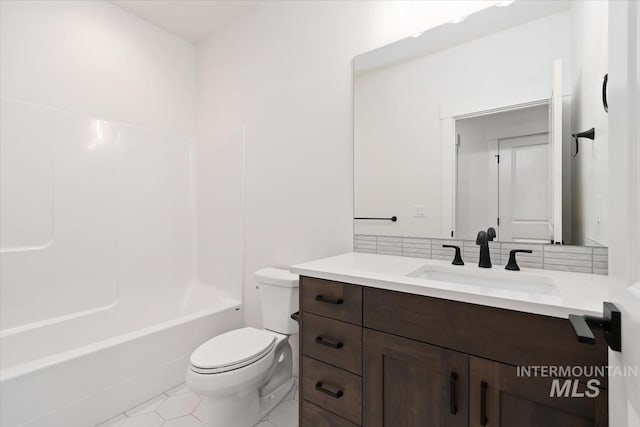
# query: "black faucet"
457, 259
491, 233
483, 239
512, 264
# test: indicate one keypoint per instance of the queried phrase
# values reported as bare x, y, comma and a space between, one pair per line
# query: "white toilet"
243, 374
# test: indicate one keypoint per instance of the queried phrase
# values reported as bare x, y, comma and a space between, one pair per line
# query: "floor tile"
199, 411
188, 421
114, 422
178, 405
179, 389
150, 419
285, 414
148, 406
292, 393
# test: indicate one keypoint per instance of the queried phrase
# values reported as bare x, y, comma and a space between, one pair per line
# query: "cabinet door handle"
328, 300
335, 393
483, 403
329, 343
453, 406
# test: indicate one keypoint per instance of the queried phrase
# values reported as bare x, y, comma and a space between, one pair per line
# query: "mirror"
469, 125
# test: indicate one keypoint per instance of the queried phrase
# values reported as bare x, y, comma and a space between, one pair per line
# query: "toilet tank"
278, 291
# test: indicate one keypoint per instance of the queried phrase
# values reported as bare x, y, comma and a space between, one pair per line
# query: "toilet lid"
233, 349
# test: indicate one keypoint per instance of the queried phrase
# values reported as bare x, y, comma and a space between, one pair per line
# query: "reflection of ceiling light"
416, 35
458, 20
504, 3
100, 128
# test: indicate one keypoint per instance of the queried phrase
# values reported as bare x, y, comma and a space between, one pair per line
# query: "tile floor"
178, 407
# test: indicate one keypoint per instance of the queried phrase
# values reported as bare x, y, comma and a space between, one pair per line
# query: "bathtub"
81, 369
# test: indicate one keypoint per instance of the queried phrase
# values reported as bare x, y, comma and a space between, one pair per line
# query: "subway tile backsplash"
580, 259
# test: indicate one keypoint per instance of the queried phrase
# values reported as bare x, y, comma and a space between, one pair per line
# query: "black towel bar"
392, 219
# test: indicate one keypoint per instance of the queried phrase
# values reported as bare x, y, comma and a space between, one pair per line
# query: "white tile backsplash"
582, 259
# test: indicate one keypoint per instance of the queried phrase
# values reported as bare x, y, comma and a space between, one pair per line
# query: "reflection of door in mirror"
509, 152
523, 189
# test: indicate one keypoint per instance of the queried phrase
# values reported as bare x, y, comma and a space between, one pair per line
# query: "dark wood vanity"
373, 357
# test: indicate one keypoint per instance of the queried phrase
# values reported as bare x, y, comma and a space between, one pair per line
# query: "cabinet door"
408, 383
498, 397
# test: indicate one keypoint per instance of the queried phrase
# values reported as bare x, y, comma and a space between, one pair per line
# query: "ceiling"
479, 24
192, 20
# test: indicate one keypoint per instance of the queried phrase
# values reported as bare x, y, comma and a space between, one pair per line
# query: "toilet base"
241, 410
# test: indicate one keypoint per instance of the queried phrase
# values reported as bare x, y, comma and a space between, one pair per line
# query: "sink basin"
513, 281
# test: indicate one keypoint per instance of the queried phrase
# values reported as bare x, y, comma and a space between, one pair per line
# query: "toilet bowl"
244, 373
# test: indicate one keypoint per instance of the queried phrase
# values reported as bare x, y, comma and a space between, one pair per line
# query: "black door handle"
329, 300
329, 343
335, 393
582, 329
610, 322
483, 403
453, 406
605, 103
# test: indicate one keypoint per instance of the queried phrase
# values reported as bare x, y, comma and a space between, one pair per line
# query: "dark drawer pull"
328, 300
483, 403
328, 343
335, 393
453, 407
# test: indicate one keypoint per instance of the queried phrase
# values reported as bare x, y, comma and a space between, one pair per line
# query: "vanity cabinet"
500, 398
375, 357
409, 383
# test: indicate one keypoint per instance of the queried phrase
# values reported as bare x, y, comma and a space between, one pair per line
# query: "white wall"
590, 169
398, 111
283, 73
93, 57
98, 112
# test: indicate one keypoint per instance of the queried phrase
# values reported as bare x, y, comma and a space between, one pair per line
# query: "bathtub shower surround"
77, 372
99, 309
101, 301
84, 199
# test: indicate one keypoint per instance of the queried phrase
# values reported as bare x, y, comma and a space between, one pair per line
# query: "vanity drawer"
315, 416
332, 341
507, 336
332, 299
331, 388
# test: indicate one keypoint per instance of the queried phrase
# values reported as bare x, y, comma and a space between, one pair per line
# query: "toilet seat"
232, 350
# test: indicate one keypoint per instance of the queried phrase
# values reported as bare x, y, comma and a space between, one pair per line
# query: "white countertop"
573, 293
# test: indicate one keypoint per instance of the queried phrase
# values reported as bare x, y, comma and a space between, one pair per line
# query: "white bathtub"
79, 370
